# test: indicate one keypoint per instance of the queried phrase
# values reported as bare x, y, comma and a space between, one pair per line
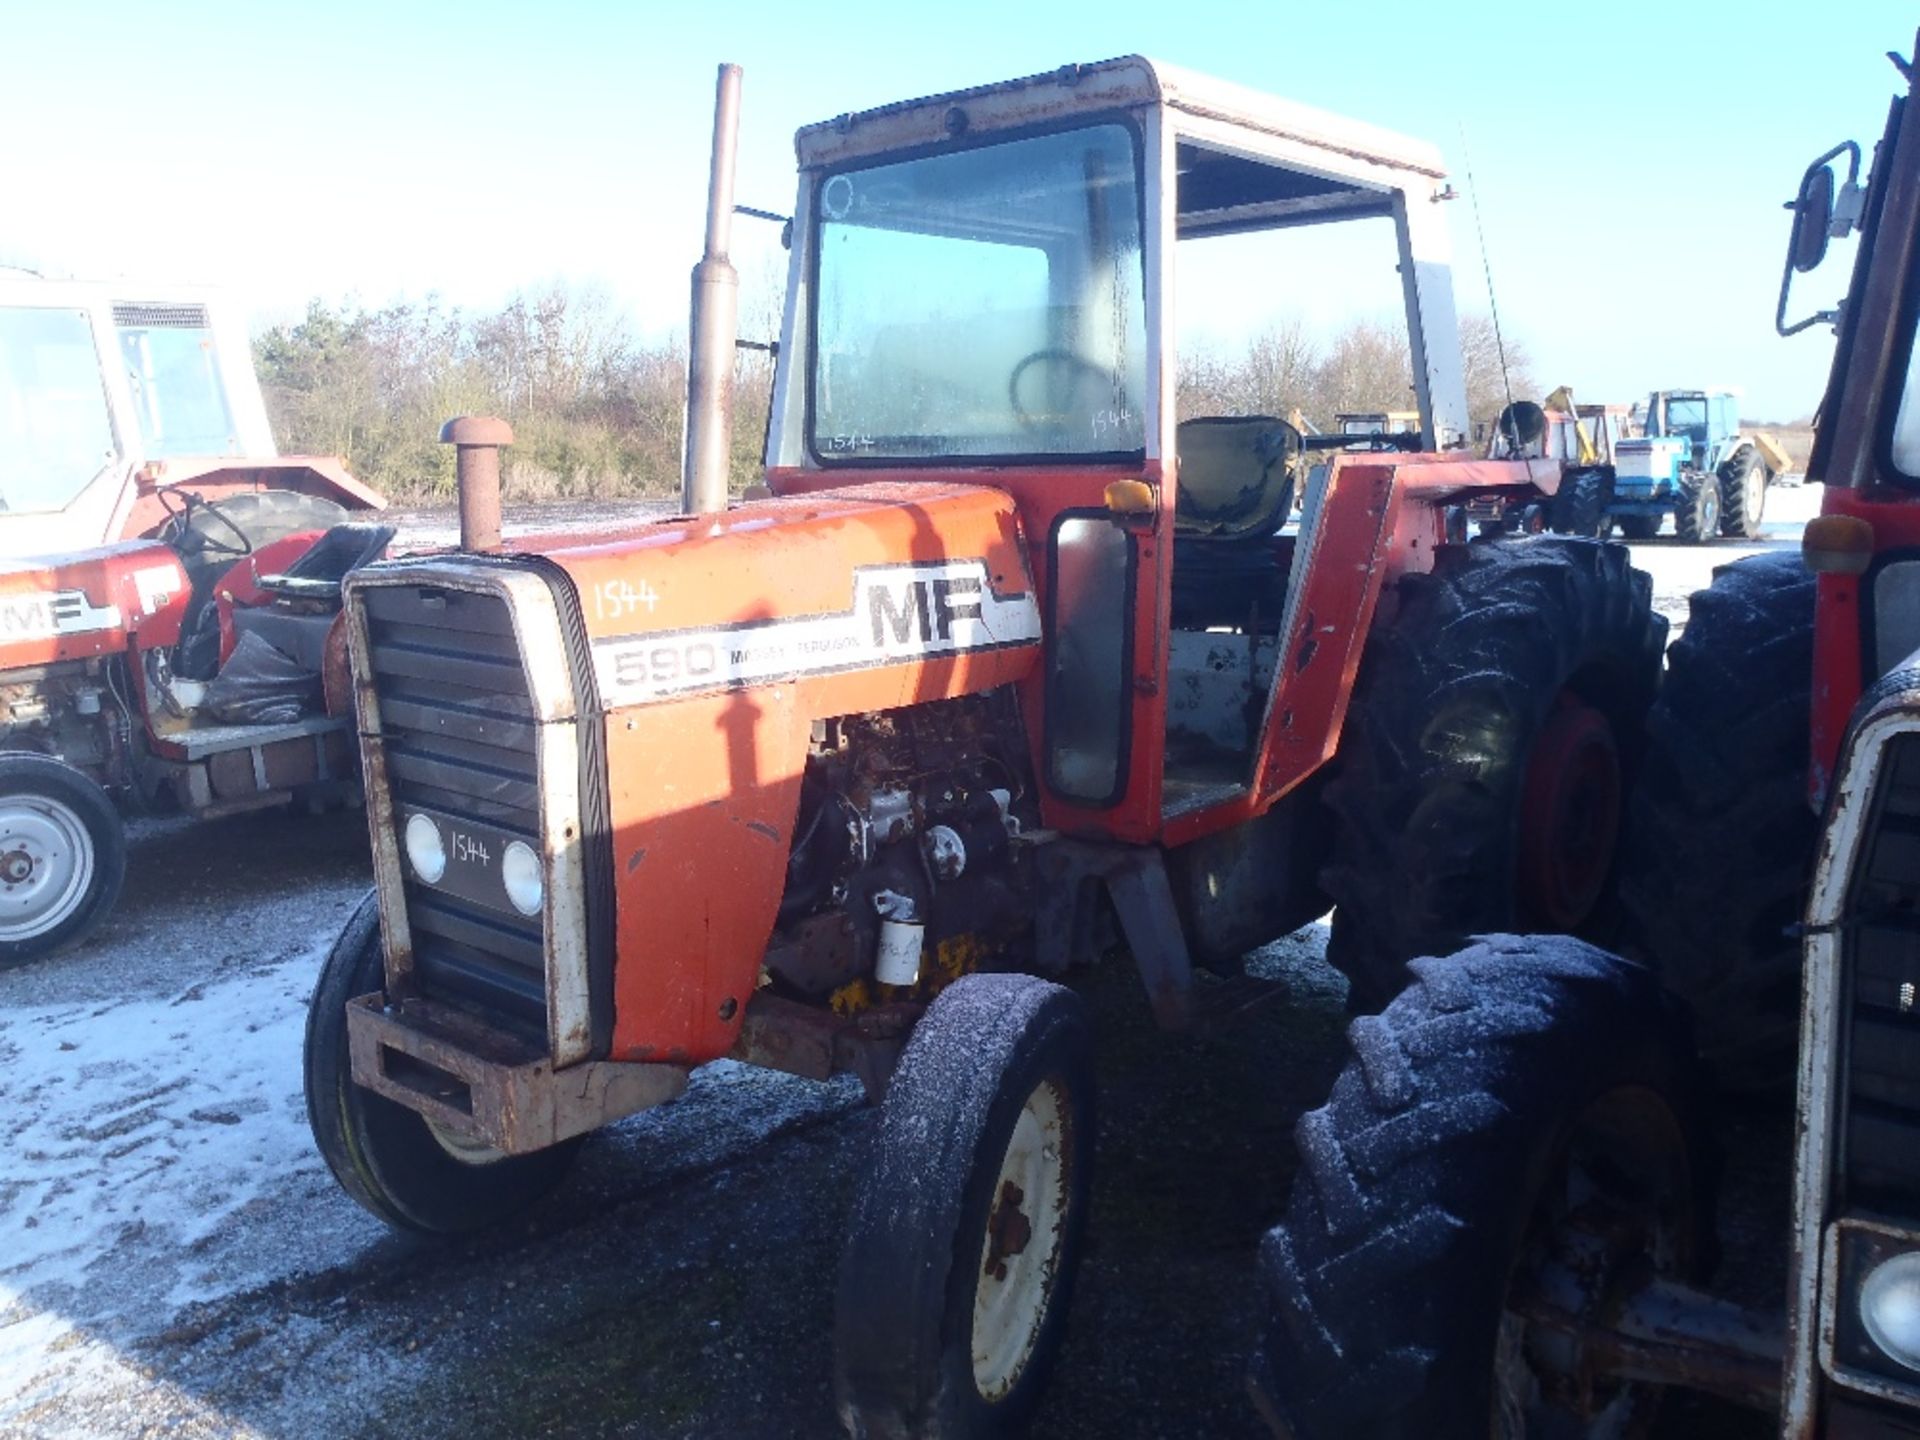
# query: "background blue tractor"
1691, 461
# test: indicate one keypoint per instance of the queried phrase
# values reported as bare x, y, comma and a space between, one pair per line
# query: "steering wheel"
1077, 365
220, 547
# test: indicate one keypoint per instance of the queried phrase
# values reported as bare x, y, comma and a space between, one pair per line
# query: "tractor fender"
217, 478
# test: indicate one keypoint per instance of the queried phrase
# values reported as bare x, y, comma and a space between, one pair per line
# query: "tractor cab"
1006, 285
1705, 419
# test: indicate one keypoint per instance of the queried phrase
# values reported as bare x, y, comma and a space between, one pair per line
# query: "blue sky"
1631, 161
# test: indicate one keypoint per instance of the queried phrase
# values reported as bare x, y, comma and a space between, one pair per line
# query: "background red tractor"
169, 604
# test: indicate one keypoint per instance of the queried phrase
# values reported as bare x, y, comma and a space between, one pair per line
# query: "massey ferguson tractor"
169, 604
1502, 1217
1008, 665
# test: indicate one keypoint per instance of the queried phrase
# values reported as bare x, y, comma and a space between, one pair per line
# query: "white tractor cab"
168, 590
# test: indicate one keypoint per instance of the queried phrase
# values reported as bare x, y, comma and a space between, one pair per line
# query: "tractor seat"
1236, 487
317, 574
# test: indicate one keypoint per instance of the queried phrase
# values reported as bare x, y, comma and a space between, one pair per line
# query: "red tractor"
1502, 1215
856, 776
170, 602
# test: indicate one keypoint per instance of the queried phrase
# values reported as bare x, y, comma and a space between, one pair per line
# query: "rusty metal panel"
469, 1077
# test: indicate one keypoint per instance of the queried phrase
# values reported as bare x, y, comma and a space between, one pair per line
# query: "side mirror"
1812, 220
1823, 210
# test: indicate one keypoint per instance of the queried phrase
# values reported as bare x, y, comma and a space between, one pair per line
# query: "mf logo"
63, 612
908, 610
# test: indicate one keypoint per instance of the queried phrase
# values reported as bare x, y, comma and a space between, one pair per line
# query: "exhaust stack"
476, 468
715, 321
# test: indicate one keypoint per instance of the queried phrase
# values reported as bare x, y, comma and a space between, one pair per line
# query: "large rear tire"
1519, 1093
1720, 836
1743, 495
1480, 778
406, 1171
63, 856
966, 1232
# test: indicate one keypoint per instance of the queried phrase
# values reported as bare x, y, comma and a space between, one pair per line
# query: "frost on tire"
1385, 1291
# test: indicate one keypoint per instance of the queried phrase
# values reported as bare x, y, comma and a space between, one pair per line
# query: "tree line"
597, 410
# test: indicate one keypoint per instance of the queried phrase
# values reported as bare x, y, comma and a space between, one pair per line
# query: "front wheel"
412, 1174
63, 855
1513, 1138
966, 1232
1697, 508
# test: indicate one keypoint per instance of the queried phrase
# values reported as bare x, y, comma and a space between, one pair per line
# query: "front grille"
1880, 1148
459, 739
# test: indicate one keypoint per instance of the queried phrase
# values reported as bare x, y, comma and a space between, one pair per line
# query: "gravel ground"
174, 1259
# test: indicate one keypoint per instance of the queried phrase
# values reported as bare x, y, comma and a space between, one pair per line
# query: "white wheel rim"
1020, 1251
1756, 495
46, 866
464, 1148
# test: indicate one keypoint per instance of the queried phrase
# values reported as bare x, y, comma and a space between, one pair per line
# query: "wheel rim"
464, 1148
1025, 1234
1753, 497
1618, 1201
46, 866
1569, 815
1709, 508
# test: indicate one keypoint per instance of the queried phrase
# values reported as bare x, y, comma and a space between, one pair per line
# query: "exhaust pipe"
715, 321
476, 468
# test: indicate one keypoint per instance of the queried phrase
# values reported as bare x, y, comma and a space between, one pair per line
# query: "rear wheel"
412, 1174
966, 1231
1743, 495
1720, 836
1696, 514
63, 855
1480, 776
1517, 1129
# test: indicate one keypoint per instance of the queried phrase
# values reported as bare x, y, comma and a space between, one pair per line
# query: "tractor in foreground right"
1502, 1218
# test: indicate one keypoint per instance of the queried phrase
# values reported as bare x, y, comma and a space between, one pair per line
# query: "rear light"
1837, 545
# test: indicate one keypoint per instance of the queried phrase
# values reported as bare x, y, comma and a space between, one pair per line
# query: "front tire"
387, 1157
1696, 514
966, 1231
1638, 527
63, 856
1519, 1093
1720, 837
1480, 775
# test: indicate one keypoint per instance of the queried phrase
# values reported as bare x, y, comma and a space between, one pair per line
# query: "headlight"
520, 873
1890, 1307
426, 849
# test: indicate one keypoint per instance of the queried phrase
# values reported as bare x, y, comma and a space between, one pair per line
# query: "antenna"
1493, 304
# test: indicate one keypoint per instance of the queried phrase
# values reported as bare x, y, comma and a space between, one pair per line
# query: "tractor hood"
870, 577
88, 602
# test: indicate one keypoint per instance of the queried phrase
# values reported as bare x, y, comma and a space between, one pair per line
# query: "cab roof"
1129, 82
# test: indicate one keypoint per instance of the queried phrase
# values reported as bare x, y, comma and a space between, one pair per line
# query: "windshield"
175, 375
55, 431
982, 303
1687, 415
